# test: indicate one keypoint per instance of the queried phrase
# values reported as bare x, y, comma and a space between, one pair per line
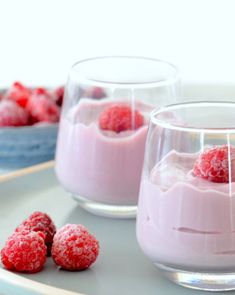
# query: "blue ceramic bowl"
26, 146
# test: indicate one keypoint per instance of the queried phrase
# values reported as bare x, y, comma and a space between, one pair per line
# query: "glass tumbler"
103, 129
186, 209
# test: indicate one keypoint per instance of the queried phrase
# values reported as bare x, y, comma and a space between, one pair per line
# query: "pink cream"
100, 166
185, 221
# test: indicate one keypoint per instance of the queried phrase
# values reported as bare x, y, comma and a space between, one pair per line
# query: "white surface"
41, 39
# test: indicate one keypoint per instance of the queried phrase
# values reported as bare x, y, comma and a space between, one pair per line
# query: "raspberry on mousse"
119, 118
95, 92
216, 164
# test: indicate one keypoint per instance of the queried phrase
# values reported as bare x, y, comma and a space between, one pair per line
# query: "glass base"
199, 280
106, 210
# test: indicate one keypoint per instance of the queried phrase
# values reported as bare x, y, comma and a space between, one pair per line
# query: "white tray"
121, 267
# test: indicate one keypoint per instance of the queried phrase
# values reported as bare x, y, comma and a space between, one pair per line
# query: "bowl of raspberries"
28, 124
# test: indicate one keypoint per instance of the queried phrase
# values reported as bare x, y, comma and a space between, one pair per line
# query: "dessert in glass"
103, 129
186, 209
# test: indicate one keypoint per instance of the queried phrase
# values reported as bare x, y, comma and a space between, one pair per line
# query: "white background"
41, 39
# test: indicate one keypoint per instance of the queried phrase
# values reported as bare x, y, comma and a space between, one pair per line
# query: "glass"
186, 209
103, 129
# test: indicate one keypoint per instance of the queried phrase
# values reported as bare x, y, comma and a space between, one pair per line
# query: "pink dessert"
100, 165
185, 220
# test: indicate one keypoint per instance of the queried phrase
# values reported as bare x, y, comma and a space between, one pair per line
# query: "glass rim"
185, 105
94, 82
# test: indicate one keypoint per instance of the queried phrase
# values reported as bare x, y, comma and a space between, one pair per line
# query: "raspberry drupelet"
74, 248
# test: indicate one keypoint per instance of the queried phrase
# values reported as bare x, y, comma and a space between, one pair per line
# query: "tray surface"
121, 267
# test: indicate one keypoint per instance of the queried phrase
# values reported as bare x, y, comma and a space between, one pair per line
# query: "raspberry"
40, 222
74, 248
24, 252
95, 92
40, 91
120, 118
213, 164
59, 95
11, 114
18, 93
42, 108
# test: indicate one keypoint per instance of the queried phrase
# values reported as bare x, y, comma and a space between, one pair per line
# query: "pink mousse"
100, 166
184, 221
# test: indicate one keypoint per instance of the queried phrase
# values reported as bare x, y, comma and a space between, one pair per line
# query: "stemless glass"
186, 209
103, 129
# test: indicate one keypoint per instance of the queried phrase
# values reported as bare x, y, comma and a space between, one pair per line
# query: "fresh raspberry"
11, 114
120, 118
19, 93
40, 222
41, 91
59, 95
42, 108
74, 248
24, 252
213, 164
95, 92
